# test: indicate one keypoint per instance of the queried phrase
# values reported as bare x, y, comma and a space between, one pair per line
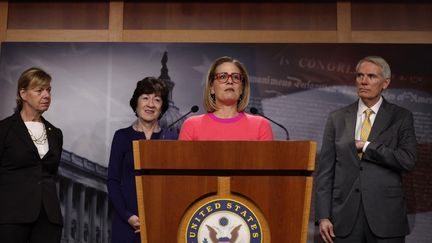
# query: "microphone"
255, 111
193, 109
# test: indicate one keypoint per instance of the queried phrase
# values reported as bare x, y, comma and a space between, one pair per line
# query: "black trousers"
40, 231
362, 233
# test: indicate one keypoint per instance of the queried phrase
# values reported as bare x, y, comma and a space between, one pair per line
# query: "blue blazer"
28, 182
121, 182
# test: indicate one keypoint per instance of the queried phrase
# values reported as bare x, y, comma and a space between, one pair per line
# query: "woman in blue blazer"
149, 102
30, 151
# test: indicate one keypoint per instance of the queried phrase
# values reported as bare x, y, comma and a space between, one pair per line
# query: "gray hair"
380, 62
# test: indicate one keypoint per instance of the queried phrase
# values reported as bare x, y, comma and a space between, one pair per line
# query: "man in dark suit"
366, 146
30, 151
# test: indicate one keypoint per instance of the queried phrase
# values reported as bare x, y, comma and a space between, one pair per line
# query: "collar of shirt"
362, 107
361, 115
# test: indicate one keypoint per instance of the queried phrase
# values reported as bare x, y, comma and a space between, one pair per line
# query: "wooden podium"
275, 175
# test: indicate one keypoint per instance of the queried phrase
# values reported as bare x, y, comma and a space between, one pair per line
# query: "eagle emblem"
223, 233
223, 221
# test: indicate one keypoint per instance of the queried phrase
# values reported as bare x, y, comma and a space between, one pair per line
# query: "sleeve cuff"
365, 146
127, 215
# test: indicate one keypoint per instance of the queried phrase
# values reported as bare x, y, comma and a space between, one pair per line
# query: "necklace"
40, 140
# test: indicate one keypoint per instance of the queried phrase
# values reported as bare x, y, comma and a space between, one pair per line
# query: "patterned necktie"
366, 127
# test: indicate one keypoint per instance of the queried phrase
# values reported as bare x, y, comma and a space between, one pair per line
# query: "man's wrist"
365, 146
319, 221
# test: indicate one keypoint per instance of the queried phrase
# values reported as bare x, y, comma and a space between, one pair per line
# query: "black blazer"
343, 180
28, 182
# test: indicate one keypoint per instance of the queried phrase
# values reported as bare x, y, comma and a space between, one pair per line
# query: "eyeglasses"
223, 77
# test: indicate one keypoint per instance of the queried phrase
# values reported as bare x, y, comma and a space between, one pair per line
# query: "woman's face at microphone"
149, 107
227, 84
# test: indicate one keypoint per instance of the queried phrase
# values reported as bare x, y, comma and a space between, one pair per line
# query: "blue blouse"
121, 182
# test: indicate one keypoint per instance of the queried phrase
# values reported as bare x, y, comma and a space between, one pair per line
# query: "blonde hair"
208, 98
31, 77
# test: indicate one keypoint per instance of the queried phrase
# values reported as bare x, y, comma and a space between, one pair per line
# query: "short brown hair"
30, 78
209, 101
151, 85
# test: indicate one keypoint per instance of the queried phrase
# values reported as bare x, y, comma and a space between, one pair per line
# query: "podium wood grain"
269, 173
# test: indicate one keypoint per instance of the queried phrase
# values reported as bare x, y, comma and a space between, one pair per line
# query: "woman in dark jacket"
149, 102
30, 151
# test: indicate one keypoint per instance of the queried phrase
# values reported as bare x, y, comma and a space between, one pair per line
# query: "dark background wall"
304, 22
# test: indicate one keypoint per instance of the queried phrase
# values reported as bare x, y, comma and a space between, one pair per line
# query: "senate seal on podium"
223, 218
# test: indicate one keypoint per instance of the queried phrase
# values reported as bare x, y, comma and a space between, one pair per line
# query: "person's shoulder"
123, 134
396, 112
50, 126
7, 120
251, 117
6, 123
342, 110
256, 119
395, 108
124, 131
196, 118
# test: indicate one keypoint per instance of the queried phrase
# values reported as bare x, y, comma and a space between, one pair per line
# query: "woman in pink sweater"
226, 96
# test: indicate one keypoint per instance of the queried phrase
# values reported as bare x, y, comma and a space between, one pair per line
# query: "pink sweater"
242, 127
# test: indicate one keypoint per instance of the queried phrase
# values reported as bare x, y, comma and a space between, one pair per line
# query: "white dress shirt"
361, 116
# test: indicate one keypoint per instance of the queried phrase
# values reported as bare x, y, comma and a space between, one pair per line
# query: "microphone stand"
193, 109
255, 111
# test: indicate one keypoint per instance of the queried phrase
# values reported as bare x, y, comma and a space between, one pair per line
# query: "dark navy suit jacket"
121, 182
